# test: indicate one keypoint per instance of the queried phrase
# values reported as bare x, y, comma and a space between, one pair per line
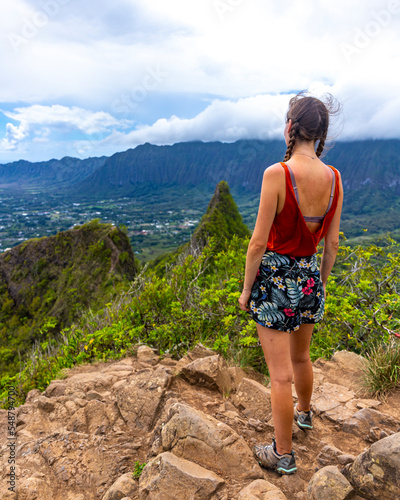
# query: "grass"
382, 370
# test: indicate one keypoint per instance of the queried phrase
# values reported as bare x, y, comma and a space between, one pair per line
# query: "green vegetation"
46, 284
382, 370
196, 301
138, 469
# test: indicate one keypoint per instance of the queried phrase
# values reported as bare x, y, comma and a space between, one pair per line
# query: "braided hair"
310, 121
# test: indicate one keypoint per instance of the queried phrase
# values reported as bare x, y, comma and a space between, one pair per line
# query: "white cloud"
84, 68
39, 122
259, 117
14, 135
72, 118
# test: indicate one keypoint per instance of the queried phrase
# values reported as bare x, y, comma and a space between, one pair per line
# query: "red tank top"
289, 234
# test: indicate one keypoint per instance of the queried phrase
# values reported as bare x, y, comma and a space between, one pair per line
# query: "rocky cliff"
194, 423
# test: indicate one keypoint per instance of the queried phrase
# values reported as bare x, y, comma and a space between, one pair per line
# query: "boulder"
261, 490
376, 472
124, 486
329, 396
169, 477
54, 389
370, 423
330, 455
190, 433
253, 399
145, 354
199, 351
34, 488
349, 361
206, 372
329, 483
140, 398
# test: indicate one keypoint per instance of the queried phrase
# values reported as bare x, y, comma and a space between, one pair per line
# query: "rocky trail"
194, 423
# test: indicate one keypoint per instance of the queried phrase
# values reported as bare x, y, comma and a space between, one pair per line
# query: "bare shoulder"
274, 172
334, 168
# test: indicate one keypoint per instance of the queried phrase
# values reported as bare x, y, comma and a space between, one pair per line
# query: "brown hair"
310, 120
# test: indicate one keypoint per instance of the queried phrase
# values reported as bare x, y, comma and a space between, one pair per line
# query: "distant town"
152, 232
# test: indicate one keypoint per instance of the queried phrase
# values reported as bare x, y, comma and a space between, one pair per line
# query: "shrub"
382, 370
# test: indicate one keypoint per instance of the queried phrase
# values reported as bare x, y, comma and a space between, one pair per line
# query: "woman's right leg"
301, 363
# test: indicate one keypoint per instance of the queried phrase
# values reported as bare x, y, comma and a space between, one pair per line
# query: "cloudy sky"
87, 78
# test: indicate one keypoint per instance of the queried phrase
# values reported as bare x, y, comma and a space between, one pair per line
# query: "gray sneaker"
268, 457
303, 418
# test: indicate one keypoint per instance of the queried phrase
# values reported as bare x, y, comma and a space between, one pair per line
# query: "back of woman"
284, 291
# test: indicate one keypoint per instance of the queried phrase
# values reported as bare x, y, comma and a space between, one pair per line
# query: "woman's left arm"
272, 180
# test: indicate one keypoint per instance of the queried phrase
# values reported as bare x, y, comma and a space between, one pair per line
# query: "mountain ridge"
240, 163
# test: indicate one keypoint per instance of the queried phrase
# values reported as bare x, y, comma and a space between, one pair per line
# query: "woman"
300, 204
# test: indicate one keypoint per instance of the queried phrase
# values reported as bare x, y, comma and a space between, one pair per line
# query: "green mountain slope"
46, 283
221, 221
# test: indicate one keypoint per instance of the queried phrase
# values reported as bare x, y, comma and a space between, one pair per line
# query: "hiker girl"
284, 291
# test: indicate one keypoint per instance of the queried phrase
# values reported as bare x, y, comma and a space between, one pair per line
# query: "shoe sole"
279, 470
286, 471
303, 426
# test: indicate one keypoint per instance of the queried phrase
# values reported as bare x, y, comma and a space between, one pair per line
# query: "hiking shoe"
268, 457
303, 418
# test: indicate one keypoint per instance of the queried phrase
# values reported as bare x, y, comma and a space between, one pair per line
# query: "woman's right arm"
331, 240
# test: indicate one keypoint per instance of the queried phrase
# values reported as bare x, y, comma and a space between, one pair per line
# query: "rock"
169, 477
330, 455
329, 483
145, 354
78, 423
375, 472
45, 404
94, 395
199, 351
367, 403
55, 388
261, 490
236, 376
96, 417
139, 399
349, 361
124, 486
32, 395
293, 486
329, 396
82, 383
205, 371
370, 423
190, 433
34, 488
253, 399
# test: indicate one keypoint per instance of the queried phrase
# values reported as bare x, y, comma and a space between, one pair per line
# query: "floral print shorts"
287, 292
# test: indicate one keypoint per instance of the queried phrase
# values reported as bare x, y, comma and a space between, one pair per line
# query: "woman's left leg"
276, 348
